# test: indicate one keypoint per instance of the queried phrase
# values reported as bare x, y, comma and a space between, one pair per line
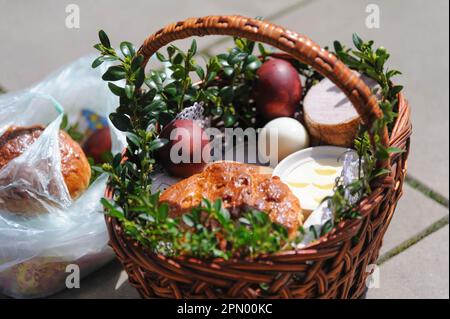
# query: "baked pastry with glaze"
240, 187
75, 169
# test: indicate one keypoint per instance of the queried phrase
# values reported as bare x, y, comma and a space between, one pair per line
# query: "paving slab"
414, 213
420, 272
35, 39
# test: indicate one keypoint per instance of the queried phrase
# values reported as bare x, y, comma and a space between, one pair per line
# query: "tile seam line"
413, 240
427, 191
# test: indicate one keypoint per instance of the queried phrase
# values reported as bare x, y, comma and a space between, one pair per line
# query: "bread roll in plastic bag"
56, 230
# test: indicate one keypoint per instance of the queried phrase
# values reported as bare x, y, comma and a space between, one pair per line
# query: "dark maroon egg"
278, 90
184, 136
98, 144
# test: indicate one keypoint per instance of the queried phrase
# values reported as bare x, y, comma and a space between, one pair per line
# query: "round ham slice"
329, 115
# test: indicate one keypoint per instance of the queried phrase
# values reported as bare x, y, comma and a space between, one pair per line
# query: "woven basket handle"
299, 46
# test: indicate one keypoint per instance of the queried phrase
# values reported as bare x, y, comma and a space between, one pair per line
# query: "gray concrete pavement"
35, 39
414, 213
35, 42
421, 272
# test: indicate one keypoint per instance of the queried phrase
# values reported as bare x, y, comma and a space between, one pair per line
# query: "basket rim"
329, 244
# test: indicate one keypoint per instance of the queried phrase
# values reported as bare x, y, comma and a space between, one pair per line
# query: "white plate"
309, 195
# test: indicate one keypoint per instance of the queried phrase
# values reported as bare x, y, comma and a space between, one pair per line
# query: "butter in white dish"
314, 180
311, 173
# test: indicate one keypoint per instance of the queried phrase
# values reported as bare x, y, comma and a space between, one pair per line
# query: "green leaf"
120, 121
395, 90
233, 59
129, 90
373, 74
155, 80
114, 73
382, 153
188, 220
357, 41
117, 160
104, 39
200, 72
127, 49
395, 150
217, 205
229, 120
64, 122
116, 90
179, 73
244, 221
392, 73
228, 71
147, 217
108, 57
156, 105
133, 138
217, 111
149, 96
107, 157
157, 143
171, 89
178, 59
361, 55
240, 43
97, 62
163, 212
337, 46
260, 217
380, 172
140, 77
226, 93
111, 209
160, 57
136, 63
171, 50
381, 61
262, 50
381, 51
211, 77
253, 63
349, 60
193, 49
99, 47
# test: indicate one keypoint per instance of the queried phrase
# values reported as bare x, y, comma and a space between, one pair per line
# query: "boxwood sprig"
208, 230
371, 62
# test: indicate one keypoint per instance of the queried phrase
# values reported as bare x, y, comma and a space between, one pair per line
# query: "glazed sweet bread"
75, 169
241, 187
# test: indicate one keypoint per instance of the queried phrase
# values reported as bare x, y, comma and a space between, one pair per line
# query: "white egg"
280, 138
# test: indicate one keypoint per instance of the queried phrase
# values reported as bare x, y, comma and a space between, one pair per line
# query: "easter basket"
335, 265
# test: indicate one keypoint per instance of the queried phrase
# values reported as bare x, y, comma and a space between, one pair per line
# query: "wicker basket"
334, 266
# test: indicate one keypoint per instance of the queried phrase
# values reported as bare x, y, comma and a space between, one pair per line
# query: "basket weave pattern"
334, 266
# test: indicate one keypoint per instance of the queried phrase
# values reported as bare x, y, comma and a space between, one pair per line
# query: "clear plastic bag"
36, 248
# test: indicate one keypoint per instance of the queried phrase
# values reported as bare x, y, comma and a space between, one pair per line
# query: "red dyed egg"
98, 144
191, 149
278, 90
